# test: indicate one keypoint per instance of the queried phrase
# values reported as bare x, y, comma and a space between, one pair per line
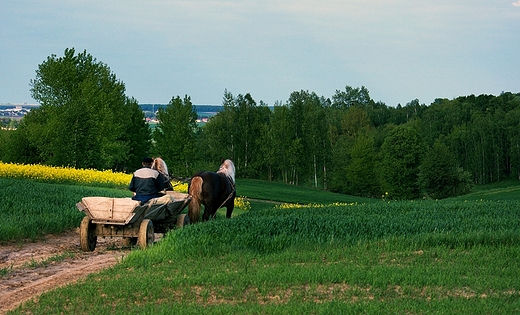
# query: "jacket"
147, 184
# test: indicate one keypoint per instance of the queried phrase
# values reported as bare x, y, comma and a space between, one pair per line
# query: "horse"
160, 166
214, 191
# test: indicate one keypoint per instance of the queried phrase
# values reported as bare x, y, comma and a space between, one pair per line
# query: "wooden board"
177, 196
115, 210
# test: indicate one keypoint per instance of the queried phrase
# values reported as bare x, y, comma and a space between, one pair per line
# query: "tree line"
346, 143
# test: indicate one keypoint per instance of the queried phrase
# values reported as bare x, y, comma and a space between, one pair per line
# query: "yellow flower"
64, 174
242, 203
313, 205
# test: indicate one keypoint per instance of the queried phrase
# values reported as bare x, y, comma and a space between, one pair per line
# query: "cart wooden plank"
109, 210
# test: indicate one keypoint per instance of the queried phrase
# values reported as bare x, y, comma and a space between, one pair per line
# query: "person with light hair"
146, 182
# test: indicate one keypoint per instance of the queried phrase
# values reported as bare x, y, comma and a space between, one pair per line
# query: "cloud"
517, 4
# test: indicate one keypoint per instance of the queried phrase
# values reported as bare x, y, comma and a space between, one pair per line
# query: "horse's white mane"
228, 168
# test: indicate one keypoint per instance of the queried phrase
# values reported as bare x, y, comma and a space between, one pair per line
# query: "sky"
400, 50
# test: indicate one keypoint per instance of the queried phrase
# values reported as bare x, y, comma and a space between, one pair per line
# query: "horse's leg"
229, 207
208, 211
229, 211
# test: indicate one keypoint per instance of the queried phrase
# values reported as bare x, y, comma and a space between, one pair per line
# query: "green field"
456, 256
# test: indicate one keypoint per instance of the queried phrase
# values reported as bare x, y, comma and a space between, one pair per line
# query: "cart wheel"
146, 234
129, 241
182, 220
87, 236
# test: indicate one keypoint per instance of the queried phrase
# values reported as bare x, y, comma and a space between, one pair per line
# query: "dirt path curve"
29, 269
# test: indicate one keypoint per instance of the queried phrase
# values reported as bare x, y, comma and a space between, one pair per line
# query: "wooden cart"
127, 218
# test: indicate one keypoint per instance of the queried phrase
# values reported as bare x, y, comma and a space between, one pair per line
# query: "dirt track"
34, 268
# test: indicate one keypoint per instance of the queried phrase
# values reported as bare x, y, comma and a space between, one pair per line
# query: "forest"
344, 143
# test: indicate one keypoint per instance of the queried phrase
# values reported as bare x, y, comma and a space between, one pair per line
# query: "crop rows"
416, 224
30, 209
37, 199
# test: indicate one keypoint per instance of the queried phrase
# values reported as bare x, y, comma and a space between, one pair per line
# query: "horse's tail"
195, 193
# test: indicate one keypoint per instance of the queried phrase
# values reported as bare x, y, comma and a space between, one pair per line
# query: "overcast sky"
399, 50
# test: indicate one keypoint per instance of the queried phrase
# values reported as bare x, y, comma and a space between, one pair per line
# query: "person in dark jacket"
146, 182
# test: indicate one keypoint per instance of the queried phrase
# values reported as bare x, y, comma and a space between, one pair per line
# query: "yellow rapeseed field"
70, 175
64, 174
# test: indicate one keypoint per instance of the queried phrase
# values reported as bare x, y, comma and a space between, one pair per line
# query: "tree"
137, 135
351, 97
440, 177
175, 135
247, 127
281, 136
354, 154
362, 171
401, 153
220, 133
83, 117
238, 132
315, 136
308, 132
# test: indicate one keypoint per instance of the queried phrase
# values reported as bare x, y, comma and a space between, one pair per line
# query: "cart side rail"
108, 210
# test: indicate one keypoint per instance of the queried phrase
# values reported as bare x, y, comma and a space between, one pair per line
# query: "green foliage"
351, 97
402, 154
8, 123
4, 144
174, 135
305, 143
84, 117
310, 141
331, 143
238, 133
138, 136
281, 144
439, 175
362, 172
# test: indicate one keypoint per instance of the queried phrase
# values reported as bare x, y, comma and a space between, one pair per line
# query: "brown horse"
214, 191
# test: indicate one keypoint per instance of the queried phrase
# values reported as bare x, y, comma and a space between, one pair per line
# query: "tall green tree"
83, 117
513, 134
220, 132
440, 177
362, 173
137, 134
174, 135
238, 132
258, 137
351, 97
354, 125
402, 154
315, 137
280, 131
309, 137
247, 127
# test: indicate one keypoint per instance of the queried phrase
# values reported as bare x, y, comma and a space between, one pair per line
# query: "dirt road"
30, 269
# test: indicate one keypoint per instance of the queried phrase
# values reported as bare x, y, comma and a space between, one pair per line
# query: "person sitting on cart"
146, 182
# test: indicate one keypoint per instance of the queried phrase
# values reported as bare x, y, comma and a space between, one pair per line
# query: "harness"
233, 190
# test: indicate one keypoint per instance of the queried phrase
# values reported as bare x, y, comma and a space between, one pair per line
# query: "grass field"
30, 209
339, 255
